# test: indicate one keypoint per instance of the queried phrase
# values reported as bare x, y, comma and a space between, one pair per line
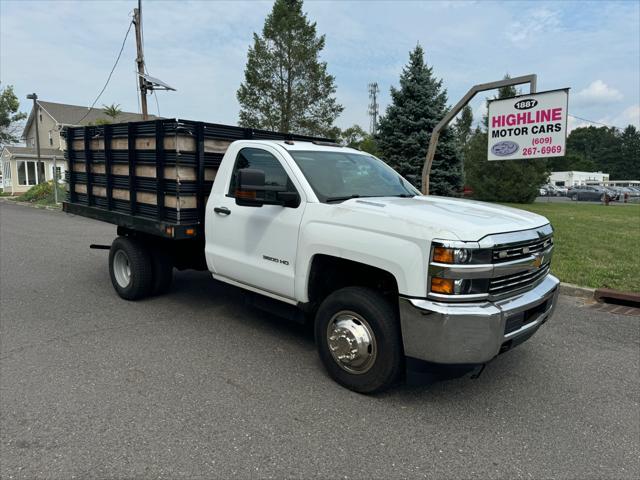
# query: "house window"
6, 170
30, 173
58, 173
50, 139
22, 172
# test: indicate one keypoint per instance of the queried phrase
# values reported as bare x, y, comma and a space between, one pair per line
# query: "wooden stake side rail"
154, 175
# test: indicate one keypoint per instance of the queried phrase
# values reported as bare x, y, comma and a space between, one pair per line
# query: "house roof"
31, 151
73, 115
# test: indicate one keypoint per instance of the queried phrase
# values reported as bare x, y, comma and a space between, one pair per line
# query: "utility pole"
34, 97
55, 180
373, 107
137, 20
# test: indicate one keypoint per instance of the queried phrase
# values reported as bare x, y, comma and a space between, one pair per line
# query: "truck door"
255, 246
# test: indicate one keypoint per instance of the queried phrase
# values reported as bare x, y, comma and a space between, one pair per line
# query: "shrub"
42, 193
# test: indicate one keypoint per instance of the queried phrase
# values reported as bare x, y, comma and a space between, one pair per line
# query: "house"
19, 164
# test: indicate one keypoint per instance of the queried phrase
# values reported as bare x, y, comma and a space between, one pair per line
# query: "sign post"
433, 141
528, 126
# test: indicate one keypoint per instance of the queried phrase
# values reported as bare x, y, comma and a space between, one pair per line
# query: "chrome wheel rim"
351, 342
122, 268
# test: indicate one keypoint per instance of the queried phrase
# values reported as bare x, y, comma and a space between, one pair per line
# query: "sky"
64, 50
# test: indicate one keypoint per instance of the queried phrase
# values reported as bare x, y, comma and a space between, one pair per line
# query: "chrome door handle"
222, 210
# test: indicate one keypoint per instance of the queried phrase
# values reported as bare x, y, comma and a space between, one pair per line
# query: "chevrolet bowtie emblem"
537, 261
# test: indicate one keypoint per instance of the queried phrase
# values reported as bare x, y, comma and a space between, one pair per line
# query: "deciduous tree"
10, 117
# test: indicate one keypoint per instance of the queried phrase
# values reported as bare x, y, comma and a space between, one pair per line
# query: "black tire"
382, 318
162, 271
135, 253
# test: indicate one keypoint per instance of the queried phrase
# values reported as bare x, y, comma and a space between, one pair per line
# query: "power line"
155, 96
597, 123
109, 77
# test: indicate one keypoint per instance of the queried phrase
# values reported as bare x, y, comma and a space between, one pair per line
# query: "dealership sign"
528, 126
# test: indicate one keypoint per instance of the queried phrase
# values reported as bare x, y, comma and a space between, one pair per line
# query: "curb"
32, 205
576, 291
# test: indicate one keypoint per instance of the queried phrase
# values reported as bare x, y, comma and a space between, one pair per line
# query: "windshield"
337, 176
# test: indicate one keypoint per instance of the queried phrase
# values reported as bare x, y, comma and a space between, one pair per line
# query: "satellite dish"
153, 83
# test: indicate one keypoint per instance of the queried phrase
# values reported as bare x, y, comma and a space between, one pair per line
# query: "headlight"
451, 255
453, 269
459, 254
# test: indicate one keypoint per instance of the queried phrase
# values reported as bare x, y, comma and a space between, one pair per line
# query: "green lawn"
595, 246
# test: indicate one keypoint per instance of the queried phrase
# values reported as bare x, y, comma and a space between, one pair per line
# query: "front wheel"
358, 339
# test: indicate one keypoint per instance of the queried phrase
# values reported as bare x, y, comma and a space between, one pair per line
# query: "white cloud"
537, 21
629, 116
598, 92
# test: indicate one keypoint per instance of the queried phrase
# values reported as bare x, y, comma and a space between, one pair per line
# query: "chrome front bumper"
455, 333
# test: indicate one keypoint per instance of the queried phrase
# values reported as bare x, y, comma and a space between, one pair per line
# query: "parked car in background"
553, 190
589, 193
636, 190
614, 195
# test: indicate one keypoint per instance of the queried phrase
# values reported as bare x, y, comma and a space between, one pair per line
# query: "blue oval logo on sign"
525, 104
504, 149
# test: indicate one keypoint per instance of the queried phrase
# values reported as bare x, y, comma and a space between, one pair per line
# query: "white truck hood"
465, 219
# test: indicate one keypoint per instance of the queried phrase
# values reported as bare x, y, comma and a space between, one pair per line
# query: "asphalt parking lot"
197, 385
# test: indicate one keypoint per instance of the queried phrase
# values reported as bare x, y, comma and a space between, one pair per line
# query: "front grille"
521, 250
517, 281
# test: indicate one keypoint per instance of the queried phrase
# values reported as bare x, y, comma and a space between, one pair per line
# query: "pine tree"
463, 131
630, 154
463, 126
286, 86
501, 181
404, 131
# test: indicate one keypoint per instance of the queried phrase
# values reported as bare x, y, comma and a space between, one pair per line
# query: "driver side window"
274, 173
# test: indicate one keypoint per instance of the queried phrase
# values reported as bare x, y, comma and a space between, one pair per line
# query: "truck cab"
325, 228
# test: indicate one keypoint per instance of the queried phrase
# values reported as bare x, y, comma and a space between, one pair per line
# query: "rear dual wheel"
138, 270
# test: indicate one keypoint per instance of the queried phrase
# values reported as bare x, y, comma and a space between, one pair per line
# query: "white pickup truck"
391, 278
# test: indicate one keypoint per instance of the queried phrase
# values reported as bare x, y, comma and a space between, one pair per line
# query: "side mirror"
250, 187
251, 191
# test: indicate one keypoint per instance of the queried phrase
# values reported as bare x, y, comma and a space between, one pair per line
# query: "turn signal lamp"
443, 255
442, 285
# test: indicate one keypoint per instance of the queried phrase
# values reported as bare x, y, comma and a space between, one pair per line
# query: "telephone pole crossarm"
532, 80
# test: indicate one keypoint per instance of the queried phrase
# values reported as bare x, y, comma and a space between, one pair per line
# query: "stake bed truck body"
390, 278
